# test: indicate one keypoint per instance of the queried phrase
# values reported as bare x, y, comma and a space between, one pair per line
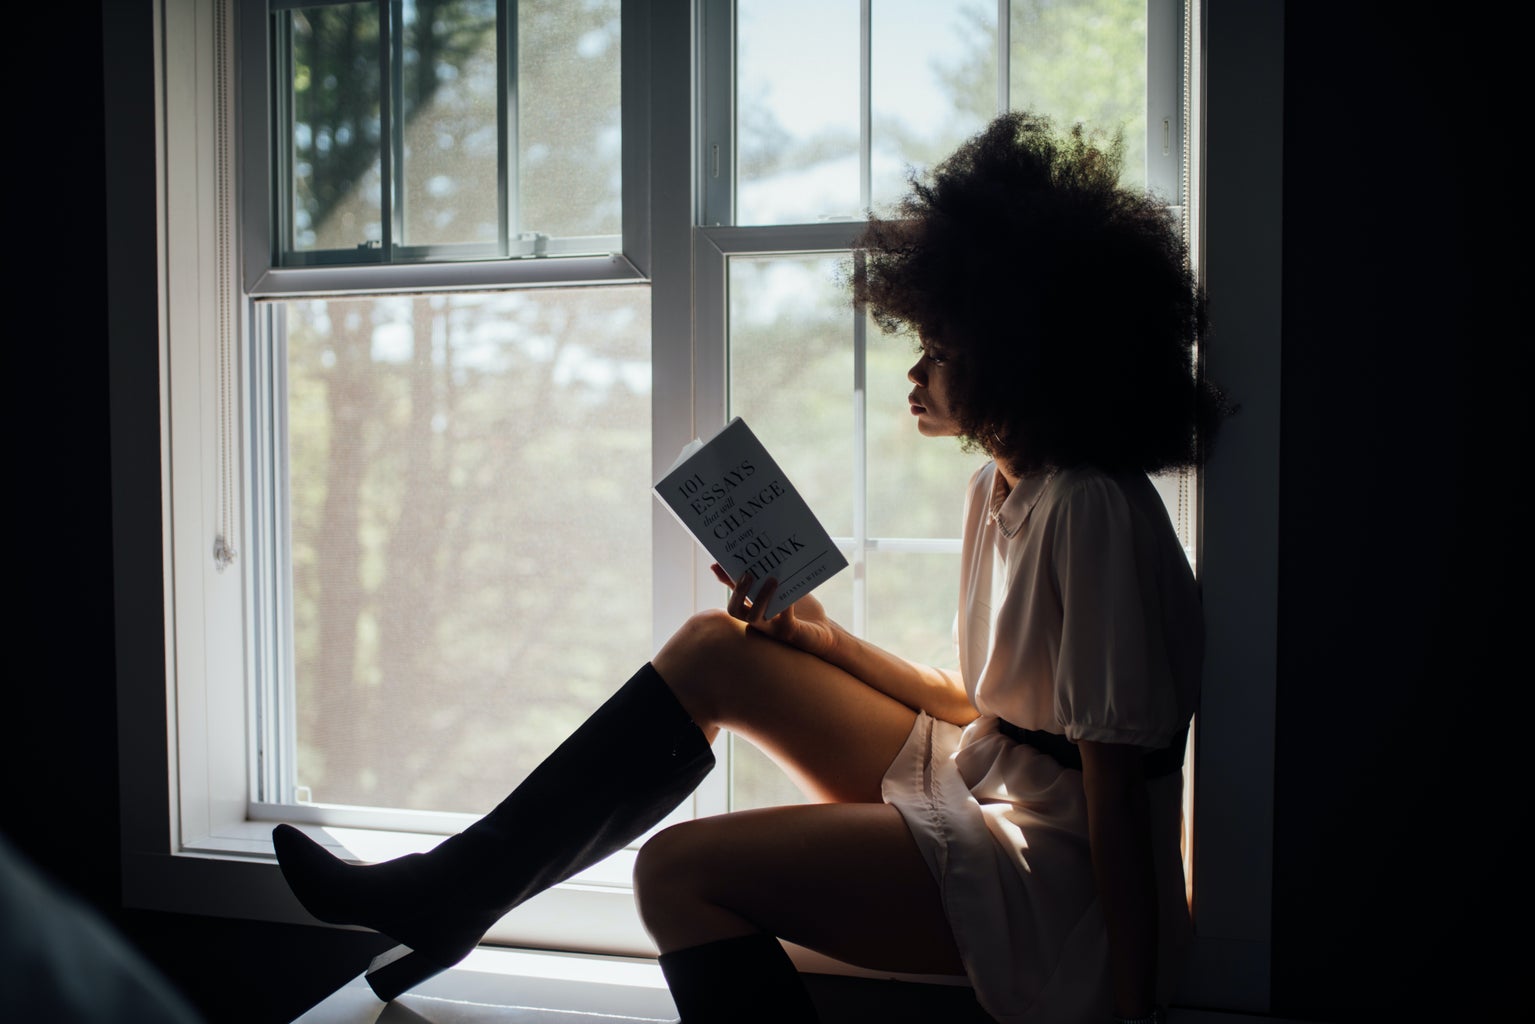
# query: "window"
444, 129
366, 364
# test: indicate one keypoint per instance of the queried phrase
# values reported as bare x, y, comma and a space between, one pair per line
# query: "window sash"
512, 240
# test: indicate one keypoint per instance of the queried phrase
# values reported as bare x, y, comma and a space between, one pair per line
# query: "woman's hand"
803, 624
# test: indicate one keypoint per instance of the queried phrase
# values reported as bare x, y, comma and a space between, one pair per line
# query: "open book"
732, 496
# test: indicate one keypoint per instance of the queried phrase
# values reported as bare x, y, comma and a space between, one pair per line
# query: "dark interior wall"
1396, 793
1397, 800
60, 742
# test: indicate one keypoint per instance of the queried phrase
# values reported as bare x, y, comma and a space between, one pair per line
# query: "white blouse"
1080, 614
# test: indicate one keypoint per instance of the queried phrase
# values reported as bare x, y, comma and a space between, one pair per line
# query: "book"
734, 499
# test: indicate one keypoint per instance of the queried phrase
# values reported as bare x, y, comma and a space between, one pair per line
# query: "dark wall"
60, 747
1401, 582
1397, 784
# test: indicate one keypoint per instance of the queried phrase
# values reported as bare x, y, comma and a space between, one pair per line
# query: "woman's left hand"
804, 624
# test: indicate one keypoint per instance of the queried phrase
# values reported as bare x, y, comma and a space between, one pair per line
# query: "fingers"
765, 595
747, 610
738, 606
721, 575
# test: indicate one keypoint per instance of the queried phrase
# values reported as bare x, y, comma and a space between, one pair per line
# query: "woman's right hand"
804, 624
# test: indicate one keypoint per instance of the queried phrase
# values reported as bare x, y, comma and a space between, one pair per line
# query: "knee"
705, 635
689, 661
665, 876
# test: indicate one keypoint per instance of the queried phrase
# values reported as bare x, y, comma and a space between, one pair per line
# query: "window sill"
590, 919
503, 984
531, 985
369, 846
232, 872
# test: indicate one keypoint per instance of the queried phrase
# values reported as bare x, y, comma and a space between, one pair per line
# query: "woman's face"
930, 398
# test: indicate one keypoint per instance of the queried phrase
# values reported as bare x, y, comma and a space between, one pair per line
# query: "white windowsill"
514, 985
596, 902
534, 987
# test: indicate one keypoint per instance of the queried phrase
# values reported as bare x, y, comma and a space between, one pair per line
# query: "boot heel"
400, 969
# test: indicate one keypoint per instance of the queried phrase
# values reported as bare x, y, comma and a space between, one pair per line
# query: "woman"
1016, 821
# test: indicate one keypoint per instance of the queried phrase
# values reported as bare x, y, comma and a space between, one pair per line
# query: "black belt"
1157, 763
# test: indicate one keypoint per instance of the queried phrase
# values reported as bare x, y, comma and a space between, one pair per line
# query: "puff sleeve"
1113, 678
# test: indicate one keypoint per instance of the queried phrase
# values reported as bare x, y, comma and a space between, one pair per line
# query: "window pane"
451, 92
916, 484
933, 75
913, 598
1084, 60
932, 83
796, 111
755, 781
568, 127
791, 373
336, 135
455, 568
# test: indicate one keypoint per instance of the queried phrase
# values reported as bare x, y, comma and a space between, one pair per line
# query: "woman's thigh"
832, 733
846, 880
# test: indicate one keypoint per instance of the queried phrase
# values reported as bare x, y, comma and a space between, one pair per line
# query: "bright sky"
809, 50
799, 63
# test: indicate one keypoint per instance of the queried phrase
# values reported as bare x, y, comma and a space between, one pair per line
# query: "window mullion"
860, 560
391, 113
1004, 55
272, 612
1164, 98
865, 106
506, 125
282, 114
717, 89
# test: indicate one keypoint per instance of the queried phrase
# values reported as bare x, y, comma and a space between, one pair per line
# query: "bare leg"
843, 877
845, 880
834, 734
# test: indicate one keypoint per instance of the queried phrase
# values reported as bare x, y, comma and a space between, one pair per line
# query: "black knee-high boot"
745, 980
617, 775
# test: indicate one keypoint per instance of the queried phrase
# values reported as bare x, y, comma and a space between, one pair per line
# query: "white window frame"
188, 841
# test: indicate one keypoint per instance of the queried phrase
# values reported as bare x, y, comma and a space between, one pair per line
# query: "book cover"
733, 497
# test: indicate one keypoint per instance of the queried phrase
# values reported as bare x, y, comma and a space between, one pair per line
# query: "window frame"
187, 843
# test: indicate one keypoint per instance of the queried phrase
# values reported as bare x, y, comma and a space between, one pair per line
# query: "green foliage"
1084, 61
565, 124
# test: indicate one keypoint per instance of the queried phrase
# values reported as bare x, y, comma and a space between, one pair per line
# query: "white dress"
1078, 615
